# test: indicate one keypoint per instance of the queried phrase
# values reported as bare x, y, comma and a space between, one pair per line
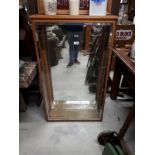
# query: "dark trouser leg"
76, 51
71, 46
71, 54
77, 47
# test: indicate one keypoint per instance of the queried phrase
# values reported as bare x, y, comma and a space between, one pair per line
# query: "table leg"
116, 81
22, 104
87, 37
127, 122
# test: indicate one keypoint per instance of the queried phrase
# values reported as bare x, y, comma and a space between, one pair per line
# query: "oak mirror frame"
73, 109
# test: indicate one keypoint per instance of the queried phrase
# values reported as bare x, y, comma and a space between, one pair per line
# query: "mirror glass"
74, 60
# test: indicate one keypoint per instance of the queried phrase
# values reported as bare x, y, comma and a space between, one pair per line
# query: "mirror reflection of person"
74, 33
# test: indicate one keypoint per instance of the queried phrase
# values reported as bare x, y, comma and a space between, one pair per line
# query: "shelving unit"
67, 18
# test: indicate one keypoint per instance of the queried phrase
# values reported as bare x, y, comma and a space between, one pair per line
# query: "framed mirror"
74, 80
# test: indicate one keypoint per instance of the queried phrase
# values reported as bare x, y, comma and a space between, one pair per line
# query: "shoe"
70, 64
77, 61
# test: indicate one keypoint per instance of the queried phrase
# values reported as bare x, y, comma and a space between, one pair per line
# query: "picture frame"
63, 8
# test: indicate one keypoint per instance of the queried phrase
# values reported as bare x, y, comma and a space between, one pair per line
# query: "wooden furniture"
127, 122
87, 32
26, 76
32, 7
45, 71
107, 136
40, 7
26, 44
124, 66
124, 129
113, 7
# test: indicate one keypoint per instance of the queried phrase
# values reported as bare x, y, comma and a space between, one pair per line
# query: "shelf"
69, 18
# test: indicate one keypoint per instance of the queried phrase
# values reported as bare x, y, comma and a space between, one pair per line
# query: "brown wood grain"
40, 7
22, 103
68, 18
66, 12
27, 74
127, 122
41, 77
87, 37
123, 66
108, 64
120, 53
63, 111
109, 6
46, 68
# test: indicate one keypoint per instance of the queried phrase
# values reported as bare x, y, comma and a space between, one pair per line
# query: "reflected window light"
78, 102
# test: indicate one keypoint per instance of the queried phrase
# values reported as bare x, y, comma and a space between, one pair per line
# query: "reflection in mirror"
75, 75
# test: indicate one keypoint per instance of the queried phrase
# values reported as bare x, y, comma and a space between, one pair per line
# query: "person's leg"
71, 47
77, 47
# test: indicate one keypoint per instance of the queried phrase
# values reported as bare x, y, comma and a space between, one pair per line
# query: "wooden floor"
73, 111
